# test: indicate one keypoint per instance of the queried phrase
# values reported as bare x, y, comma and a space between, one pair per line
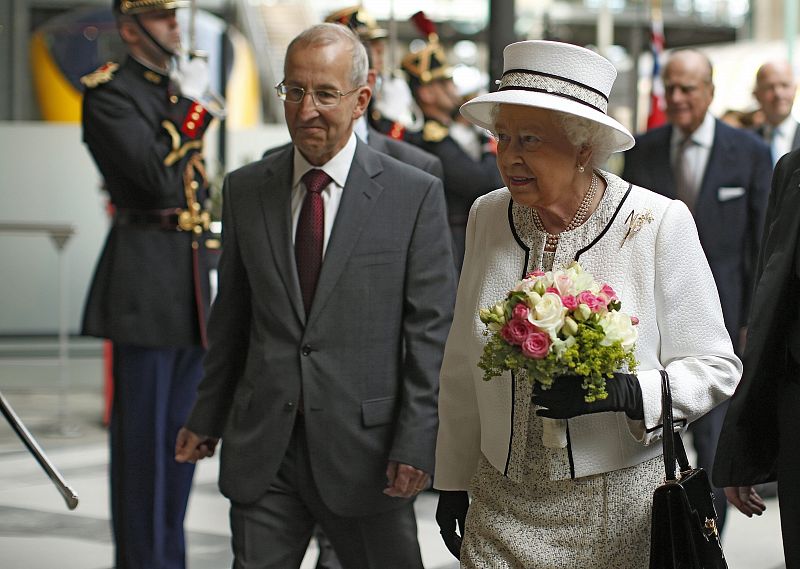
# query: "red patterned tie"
310, 234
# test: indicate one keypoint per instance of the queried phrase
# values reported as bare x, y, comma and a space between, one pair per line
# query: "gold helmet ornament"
358, 20
133, 7
429, 63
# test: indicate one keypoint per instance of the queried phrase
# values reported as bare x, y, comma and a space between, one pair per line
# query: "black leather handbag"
683, 533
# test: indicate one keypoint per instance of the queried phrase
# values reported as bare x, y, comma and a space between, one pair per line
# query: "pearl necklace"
551, 241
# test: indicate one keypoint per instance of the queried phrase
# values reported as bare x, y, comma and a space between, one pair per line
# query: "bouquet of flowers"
556, 323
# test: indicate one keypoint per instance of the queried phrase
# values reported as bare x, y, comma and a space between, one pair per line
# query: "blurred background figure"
723, 175
775, 90
381, 133
468, 156
391, 110
143, 122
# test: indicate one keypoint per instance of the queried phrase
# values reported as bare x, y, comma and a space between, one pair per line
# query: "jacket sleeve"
458, 447
427, 315
758, 199
228, 333
696, 350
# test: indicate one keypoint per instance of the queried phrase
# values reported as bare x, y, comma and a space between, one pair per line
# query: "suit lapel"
664, 179
276, 206
359, 197
796, 141
721, 160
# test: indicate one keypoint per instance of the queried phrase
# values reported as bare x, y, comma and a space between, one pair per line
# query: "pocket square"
725, 194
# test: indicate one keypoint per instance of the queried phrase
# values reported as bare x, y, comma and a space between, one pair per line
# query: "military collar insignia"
153, 77
434, 131
102, 74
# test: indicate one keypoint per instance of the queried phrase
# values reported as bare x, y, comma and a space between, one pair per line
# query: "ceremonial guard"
468, 156
143, 122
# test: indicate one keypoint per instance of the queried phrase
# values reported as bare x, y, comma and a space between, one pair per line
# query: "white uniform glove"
191, 77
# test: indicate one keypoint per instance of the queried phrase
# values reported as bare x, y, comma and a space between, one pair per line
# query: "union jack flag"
657, 115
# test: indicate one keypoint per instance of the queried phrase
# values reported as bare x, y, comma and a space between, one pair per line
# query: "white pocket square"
725, 194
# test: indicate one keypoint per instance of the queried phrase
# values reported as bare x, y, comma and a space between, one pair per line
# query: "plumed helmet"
358, 20
429, 63
132, 7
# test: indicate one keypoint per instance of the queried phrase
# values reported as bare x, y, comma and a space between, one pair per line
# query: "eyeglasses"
321, 97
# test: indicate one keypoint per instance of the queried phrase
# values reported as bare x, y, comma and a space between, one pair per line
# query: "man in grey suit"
775, 90
326, 336
723, 175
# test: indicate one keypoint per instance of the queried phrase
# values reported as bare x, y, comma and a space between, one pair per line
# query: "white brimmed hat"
552, 75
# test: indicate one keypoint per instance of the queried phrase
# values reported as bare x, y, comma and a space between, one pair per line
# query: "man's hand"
191, 447
746, 500
405, 481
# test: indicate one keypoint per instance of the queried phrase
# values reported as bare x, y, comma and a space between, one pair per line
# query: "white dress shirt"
697, 154
338, 169
780, 138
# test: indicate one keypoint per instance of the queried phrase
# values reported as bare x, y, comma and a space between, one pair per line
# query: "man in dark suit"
150, 292
326, 337
723, 175
758, 442
775, 90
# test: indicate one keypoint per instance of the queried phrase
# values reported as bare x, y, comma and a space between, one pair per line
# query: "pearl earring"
581, 168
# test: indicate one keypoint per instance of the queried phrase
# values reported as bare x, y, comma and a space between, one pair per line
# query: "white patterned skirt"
600, 521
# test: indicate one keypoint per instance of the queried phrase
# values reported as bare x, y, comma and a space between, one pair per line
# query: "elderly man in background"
722, 174
775, 90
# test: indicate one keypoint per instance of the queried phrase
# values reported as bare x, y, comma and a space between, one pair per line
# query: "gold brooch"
635, 222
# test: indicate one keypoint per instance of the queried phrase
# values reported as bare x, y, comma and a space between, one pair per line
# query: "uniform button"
190, 125
307, 350
173, 99
289, 406
195, 116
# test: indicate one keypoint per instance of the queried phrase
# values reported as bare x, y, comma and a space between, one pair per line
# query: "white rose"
618, 328
548, 314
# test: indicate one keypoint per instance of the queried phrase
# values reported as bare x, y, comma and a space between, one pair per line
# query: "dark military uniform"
150, 295
465, 179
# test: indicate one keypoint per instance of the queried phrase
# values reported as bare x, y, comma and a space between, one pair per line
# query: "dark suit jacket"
406, 152
730, 206
368, 356
795, 141
748, 445
145, 290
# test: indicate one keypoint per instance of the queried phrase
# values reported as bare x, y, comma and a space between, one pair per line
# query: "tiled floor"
38, 532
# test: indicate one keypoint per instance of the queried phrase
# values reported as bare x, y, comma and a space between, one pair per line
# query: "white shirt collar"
337, 167
361, 128
702, 136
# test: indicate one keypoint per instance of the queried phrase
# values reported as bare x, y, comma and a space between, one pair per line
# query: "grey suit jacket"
368, 355
730, 206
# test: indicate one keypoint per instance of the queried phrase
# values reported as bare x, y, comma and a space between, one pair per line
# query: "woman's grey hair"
582, 132
328, 34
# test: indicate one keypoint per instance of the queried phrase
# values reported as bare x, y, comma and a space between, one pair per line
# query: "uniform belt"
153, 218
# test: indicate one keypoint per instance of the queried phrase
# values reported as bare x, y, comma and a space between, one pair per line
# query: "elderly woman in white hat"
572, 489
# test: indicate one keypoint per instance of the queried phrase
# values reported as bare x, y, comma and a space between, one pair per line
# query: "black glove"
452, 508
565, 398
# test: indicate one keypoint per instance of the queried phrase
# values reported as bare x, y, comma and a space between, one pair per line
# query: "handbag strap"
673, 445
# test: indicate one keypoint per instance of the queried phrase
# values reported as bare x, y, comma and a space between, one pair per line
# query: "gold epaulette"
102, 74
434, 131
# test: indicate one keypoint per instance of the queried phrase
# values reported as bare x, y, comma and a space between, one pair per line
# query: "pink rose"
515, 331
520, 311
590, 300
634, 320
608, 292
536, 274
536, 345
569, 302
553, 289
